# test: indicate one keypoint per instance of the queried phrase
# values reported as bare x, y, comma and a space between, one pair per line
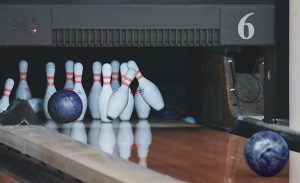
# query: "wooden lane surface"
7, 179
202, 155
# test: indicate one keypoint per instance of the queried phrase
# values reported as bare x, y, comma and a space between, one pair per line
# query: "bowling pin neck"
106, 80
139, 75
23, 76
97, 77
6, 92
69, 76
123, 77
126, 81
78, 78
115, 76
50, 80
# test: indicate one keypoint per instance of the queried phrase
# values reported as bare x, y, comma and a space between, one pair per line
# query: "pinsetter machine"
220, 61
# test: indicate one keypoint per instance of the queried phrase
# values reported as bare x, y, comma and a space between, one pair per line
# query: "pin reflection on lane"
51, 125
78, 132
94, 131
143, 139
125, 139
107, 138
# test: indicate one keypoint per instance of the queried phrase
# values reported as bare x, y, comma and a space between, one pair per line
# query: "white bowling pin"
69, 66
141, 107
148, 90
51, 125
36, 104
125, 139
94, 133
119, 98
143, 139
78, 132
50, 72
107, 138
78, 88
95, 91
4, 101
127, 112
105, 93
115, 66
23, 90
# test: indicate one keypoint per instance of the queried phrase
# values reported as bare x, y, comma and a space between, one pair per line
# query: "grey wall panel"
136, 17
25, 26
260, 18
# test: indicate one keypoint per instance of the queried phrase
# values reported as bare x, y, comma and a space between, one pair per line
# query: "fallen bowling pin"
23, 90
50, 72
105, 92
36, 104
78, 88
127, 112
148, 90
119, 98
115, 66
69, 66
4, 101
95, 91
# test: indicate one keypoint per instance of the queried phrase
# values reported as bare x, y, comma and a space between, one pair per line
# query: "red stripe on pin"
6, 95
51, 84
69, 73
68, 88
77, 81
115, 73
77, 75
128, 79
7, 90
114, 79
50, 77
23, 73
22, 79
126, 84
97, 81
106, 77
137, 92
106, 83
69, 79
97, 75
140, 77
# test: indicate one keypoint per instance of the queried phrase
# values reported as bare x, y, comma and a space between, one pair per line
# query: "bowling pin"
69, 66
105, 93
119, 98
50, 72
127, 112
51, 125
78, 132
4, 101
94, 131
141, 107
125, 139
115, 66
78, 88
66, 128
23, 91
148, 90
143, 139
36, 104
95, 91
107, 138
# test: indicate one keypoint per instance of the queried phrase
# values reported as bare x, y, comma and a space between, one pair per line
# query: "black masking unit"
210, 58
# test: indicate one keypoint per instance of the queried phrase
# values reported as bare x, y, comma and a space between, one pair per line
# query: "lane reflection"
143, 139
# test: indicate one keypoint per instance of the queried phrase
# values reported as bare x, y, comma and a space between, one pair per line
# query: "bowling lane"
187, 152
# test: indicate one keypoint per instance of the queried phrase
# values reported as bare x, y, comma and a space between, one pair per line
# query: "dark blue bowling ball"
65, 106
168, 114
266, 153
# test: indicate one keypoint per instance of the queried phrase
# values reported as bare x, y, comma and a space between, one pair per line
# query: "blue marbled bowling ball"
168, 114
65, 106
266, 153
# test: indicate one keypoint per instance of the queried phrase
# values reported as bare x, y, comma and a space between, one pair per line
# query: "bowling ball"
168, 114
266, 153
65, 106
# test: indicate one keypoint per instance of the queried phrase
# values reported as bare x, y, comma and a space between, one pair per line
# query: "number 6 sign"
243, 24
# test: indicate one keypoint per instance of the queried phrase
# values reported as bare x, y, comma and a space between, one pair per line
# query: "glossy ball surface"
65, 106
266, 153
